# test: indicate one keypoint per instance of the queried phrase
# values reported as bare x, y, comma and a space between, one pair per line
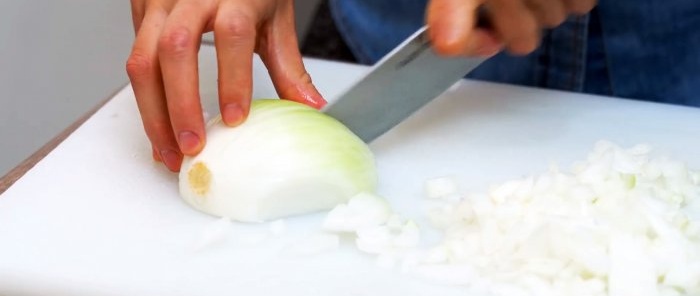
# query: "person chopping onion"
624, 48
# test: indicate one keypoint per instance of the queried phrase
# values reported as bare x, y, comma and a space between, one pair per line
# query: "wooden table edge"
17, 172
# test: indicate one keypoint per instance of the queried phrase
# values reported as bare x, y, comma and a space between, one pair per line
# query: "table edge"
27, 164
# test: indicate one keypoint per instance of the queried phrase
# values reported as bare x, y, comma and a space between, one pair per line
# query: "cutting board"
98, 217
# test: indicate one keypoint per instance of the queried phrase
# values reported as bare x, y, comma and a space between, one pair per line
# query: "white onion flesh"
364, 210
620, 224
442, 187
285, 159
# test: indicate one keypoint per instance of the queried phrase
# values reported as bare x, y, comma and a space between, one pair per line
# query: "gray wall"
58, 58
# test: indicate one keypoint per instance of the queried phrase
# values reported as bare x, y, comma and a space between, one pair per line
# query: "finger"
549, 14
452, 29
177, 51
144, 74
234, 37
515, 25
579, 6
137, 12
280, 53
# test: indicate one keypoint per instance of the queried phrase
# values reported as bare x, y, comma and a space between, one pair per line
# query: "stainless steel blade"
398, 85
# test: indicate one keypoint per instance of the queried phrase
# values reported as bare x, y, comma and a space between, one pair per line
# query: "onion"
364, 210
442, 187
285, 159
620, 224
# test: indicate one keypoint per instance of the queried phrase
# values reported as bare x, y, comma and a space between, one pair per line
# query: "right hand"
163, 67
516, 24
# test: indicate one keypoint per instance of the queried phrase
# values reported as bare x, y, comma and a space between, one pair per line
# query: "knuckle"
305, 78
237, 25
527, 40
181, 105
448, 48
293, 90
523, 46
176, 42
234, 94
580, 7
158, 132
554, 20
139, 65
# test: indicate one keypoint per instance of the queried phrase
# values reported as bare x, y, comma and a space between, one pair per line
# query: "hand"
516, 24
163, 71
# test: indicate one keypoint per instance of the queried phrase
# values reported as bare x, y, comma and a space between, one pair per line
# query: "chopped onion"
620, 224
409, 236
442, 187
364, 210
375, 240
631, 270
383, 240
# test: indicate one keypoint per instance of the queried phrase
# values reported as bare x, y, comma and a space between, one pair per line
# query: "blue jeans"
640, 49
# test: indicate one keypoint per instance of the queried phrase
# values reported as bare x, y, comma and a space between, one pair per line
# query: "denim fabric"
642, 49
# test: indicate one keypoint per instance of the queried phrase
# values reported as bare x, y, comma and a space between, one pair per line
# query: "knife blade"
399, 84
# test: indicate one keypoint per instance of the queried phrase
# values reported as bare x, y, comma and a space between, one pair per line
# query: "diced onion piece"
442, 187
395, 222
364, 210
631, 270
374, 240
409, 236
683, 275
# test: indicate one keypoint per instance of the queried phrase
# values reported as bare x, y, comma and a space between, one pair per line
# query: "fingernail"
189, 142
316, 102
171, 159
308, 95
233, 114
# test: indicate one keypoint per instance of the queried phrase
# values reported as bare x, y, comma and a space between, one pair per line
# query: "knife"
399, 84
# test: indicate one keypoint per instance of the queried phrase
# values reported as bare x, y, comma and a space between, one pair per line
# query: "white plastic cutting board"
98, 217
